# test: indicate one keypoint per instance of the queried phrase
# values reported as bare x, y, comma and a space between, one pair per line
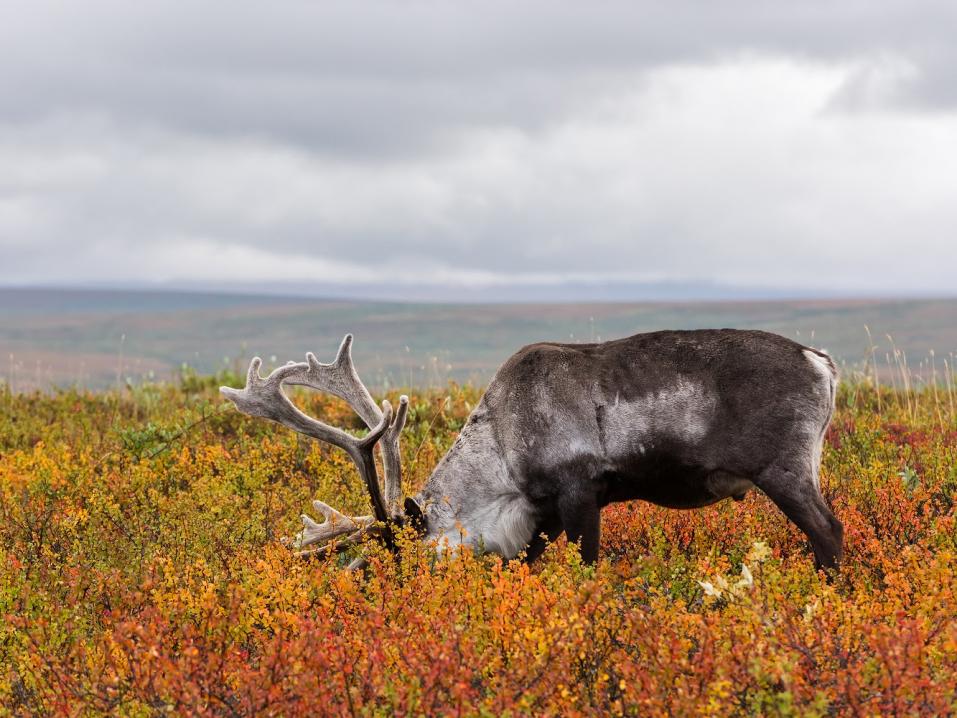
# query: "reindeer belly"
671, 481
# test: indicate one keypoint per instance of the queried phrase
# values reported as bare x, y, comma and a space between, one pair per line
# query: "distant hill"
95, 338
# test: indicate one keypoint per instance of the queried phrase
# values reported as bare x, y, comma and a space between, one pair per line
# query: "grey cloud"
546, 138
367, 79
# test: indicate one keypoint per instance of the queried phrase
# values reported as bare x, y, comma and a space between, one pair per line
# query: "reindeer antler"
341, 379
264, 397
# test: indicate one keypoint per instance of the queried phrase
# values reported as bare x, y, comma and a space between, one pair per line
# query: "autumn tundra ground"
142, 575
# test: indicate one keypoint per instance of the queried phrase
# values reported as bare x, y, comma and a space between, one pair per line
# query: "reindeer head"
265, 398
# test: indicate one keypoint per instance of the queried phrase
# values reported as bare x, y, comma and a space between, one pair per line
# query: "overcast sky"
807, 145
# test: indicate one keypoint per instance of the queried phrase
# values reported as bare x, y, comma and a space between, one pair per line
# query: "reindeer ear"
414, 515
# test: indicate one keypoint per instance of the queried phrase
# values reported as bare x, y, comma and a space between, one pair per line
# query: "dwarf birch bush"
140, 577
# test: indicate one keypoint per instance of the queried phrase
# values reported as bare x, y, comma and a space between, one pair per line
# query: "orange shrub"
142, 575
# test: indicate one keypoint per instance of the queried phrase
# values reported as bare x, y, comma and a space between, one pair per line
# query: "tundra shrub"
142, 575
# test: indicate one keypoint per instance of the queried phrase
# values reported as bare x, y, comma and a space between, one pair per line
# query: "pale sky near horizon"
809, 145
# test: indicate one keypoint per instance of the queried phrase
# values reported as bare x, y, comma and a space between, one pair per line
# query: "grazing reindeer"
679, 418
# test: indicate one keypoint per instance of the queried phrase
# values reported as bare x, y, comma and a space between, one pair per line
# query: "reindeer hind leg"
795, 491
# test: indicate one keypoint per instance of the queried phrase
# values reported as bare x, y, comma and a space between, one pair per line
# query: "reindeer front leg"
546, 532
581, 517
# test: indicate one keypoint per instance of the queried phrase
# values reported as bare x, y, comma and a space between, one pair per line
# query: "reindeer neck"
472, 498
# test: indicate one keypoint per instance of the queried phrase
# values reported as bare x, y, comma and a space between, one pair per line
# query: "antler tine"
340, 546
265, 398
253, 377
341, 379
335, 524
390, 453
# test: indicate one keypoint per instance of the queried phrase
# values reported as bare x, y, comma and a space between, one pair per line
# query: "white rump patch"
820, 364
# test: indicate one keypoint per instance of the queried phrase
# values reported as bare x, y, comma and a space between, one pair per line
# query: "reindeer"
682, 419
